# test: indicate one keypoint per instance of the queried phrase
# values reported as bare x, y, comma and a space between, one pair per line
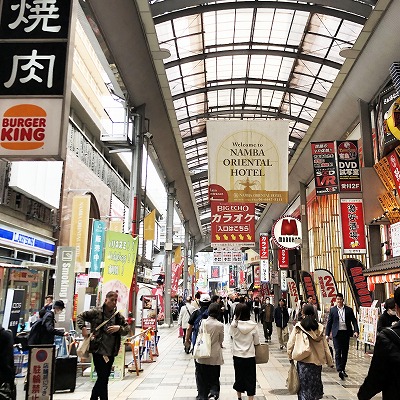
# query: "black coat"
386, 320
49, 331
385, 366
281, 317
6, 356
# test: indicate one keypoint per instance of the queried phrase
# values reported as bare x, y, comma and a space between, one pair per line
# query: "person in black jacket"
281, 317
6, 356
389, 316
385, 364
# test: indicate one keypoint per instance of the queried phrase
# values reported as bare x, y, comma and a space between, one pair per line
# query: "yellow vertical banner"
149, 226
120, 253
177, 255
78, 236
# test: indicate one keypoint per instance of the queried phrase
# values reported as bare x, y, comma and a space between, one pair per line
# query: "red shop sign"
283, 258
263, 246
353, 231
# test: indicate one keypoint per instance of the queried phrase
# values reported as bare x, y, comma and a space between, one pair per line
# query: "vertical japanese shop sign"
309, 286
176, 273
79, 232
64, 284
264, 267
119, 264
324, 163
248, 162
348, 166
263, 246
96, 248
353, 231
327, 285
35, 69
257, 277
232, 276
40, 373
354, 270
394, 169
283, 275
232, 224
283, 258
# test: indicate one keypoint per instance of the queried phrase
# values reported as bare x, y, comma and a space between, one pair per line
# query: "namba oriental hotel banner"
248, 161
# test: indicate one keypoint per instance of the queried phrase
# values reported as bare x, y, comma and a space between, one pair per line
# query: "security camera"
148, 135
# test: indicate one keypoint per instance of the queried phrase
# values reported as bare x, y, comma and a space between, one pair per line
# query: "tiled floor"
171, 376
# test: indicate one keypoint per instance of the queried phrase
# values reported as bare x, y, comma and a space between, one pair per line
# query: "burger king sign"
30, 127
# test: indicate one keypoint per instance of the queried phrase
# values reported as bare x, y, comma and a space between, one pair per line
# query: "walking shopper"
186, 311
267, 318
208, 369
309, 359
107, 340
256, 309
343, 325
244, 333
43, 330
385, 364
281, 317
389, 316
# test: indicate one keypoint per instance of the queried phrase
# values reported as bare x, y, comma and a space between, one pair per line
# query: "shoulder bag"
262, 353
301, 349
293, 381
202, 347
83, 349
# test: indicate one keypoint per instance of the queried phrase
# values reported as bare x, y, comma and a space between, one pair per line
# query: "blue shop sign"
25, 241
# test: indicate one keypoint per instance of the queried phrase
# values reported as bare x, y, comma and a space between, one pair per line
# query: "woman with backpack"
308, 346
244, 333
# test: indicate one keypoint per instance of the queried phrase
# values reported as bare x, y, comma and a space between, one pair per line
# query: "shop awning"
383, 278
386, 267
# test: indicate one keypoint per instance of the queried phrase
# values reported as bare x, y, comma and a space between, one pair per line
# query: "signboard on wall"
35, 45
324, 163
353, 229
286, 233
12, 309
263, 246
232, 224
348, 166
248, 160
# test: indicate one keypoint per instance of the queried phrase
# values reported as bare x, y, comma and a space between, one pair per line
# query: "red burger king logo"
23, 127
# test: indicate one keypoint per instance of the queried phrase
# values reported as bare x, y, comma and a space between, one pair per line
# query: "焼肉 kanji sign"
232, 224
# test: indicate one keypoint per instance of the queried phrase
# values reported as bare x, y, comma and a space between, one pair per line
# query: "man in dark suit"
343, 325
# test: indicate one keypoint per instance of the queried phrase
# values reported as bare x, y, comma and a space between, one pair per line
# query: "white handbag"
202, 347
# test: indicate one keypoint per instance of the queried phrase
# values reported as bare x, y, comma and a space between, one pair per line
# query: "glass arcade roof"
251, 59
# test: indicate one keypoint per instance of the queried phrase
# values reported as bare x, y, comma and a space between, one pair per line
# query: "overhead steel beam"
344, 9
259, 86
247, 52
207, 115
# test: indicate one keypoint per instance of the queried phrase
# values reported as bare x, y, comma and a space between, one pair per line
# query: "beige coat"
216, 330
320, 353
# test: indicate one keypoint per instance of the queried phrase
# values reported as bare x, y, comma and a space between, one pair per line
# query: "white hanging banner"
248, 161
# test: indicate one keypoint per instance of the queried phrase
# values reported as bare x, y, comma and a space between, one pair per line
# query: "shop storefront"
24, 264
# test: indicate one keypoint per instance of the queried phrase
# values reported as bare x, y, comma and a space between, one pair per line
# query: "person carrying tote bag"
312, 351
244, 333
208, 369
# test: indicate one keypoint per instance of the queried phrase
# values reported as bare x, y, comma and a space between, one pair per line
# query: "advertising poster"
12, 309
394, 166
354, 271
293, 292
309, 287
215, 271
324, 163
327, 285
348, 166
248, 161
257, 277
232, 277
232, 224
353, 228
119, 264
149, 312
367, 323
118, 367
